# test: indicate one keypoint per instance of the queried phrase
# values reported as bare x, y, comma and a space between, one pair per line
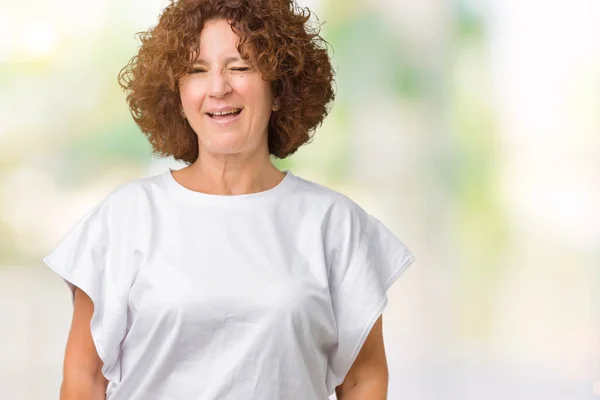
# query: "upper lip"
221, 109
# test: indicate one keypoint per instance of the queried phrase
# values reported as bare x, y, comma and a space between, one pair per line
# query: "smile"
225, 118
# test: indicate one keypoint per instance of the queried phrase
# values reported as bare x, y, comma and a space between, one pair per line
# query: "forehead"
218, 41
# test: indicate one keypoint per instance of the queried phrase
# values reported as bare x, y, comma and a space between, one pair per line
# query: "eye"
240, 69
196, 70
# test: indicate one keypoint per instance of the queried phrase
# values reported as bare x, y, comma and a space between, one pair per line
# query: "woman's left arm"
367, 379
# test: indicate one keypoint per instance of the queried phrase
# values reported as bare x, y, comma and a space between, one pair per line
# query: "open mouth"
225, 115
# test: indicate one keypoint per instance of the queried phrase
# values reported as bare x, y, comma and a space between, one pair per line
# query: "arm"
367, 379
82, 375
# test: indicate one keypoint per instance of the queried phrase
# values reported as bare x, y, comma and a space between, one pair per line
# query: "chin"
227, 144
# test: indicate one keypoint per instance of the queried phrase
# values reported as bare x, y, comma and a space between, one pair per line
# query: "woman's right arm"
82, 375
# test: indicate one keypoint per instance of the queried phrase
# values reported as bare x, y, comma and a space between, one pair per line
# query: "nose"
218, 84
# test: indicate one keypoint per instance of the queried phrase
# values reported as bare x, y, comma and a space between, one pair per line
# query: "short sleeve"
97, 256
359, 296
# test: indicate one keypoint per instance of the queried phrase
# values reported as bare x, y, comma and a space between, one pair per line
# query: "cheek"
191, 92
241, 84
253, 91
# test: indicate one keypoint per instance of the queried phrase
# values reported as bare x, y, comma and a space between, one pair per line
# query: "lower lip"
225, 121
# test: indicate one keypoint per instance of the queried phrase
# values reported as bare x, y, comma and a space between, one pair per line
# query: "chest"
214, 270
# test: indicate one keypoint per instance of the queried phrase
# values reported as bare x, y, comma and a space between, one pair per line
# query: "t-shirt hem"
378, 311
71, 280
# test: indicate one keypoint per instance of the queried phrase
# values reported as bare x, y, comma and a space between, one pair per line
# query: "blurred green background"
471, 128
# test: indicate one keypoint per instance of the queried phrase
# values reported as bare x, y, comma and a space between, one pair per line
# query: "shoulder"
125, 208
132, 196
136, 189
325, 195
339, 208
343, 223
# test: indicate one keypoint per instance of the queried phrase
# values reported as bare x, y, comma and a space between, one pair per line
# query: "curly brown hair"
274, 36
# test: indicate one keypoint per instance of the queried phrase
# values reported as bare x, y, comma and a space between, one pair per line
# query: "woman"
227, 279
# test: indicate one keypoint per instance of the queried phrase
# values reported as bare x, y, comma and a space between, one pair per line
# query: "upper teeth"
225, 112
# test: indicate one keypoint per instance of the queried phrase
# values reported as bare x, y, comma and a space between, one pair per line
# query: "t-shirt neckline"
200, 198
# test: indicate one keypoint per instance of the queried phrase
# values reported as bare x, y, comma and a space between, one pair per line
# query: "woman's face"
221, 80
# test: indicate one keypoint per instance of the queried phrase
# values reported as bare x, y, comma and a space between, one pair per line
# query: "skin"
82, 376
368, 377
232, 160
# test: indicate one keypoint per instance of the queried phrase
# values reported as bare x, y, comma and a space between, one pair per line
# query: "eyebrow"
227, 60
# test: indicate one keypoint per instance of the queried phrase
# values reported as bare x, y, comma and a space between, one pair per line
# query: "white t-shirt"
260, 296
